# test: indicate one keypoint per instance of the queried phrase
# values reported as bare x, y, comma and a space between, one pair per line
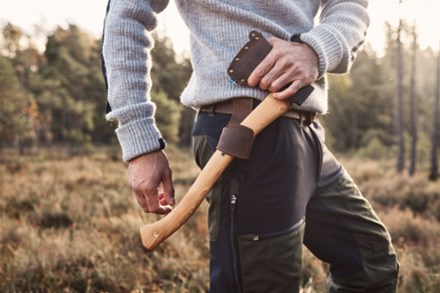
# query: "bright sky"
89, 15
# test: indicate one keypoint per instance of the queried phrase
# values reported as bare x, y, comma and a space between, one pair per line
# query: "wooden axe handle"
153, 234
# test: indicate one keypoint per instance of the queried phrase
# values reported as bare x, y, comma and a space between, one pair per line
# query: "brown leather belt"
226, 107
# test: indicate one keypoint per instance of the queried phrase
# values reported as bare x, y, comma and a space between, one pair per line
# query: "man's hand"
146, 173
287, 63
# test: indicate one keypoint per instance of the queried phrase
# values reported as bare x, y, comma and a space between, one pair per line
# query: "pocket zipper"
233, 237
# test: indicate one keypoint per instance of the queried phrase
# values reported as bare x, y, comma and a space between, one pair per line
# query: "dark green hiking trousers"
292, 191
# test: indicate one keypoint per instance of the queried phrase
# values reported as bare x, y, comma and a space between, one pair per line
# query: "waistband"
226, 107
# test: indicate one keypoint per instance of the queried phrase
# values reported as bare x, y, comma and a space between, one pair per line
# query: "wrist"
296, 38
162, 146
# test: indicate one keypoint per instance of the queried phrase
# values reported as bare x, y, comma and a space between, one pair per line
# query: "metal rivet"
231, 70
237, 59
257, 38
246, 47
242, 81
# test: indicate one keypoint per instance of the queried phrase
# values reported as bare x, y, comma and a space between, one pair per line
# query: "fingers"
154, 205
166, 198
149, 198
260, 72
288, 67
289, 91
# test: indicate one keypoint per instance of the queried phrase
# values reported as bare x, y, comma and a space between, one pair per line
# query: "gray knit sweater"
218, 29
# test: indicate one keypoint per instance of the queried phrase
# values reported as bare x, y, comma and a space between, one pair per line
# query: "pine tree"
412, 103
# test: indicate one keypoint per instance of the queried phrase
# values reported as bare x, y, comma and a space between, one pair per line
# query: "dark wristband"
162, 143
296, 38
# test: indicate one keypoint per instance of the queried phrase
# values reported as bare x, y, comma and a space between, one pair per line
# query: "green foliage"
72, 86
61, 91
374, 149
17, 107
168, 115
11, 39
359, 103
64, 88
170, 76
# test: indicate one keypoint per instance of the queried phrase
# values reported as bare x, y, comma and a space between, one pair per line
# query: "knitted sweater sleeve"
339, 34
126, 58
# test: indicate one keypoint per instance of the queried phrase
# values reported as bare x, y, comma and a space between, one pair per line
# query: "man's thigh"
257, 208
343, 230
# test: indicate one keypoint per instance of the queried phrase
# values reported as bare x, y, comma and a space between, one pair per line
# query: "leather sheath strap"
237, 140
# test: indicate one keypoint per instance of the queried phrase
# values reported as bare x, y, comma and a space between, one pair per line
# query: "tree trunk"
399, 109
433, 175
185, 127
412, 109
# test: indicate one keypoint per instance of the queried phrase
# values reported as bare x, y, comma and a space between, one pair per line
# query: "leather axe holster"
237, 140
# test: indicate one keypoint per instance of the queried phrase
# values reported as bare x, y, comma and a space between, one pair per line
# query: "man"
259, 208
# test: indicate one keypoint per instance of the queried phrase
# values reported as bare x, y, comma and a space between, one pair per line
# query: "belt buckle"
301, 119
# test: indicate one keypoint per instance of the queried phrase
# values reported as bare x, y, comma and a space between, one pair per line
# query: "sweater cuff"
323, 41
139, 138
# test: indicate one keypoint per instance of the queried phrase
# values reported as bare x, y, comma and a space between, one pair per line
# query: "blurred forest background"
69, 222
386, 107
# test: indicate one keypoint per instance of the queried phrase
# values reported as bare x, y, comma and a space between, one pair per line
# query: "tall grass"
71, 224
410, 208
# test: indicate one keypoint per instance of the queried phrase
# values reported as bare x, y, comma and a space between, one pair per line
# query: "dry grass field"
71, 224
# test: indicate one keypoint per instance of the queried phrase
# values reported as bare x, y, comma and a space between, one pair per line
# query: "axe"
266, 112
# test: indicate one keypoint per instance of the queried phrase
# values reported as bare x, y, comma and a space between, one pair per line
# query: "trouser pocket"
214, 211
202, 153
271, 263
202, 150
